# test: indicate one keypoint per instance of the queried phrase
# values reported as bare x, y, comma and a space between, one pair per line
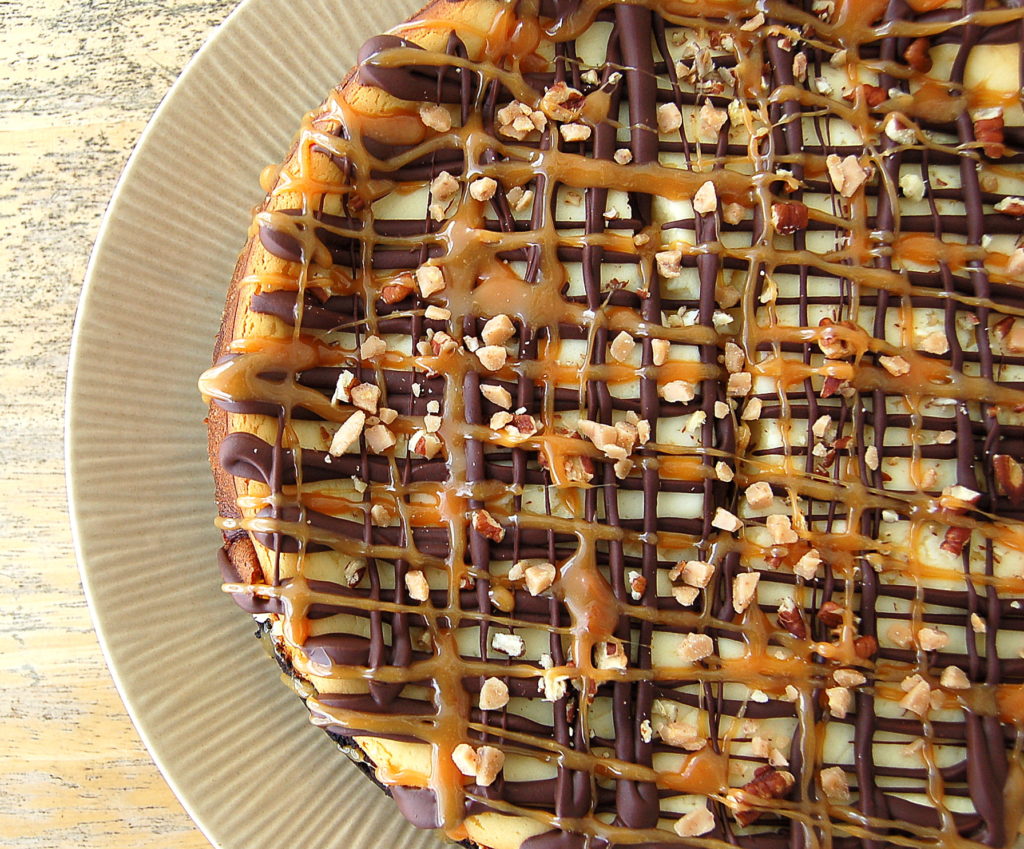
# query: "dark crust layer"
238, 546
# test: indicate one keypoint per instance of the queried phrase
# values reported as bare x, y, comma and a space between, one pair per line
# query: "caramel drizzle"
836, 509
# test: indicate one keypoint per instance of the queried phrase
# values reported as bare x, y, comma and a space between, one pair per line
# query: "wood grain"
78, 81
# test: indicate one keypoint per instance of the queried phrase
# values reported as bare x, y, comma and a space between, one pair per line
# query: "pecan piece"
873, 95
485, 525
395, 292
788, 218
988, 129
831, 614
832, 344
1011, 206
955, 539
790, 618
562, 103
865, 647
767, 783
917, 56
831, 386
526, 425
1009, 477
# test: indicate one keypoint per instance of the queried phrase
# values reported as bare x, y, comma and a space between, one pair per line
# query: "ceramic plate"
233, 743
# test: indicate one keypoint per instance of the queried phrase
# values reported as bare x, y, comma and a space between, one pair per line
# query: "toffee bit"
726, 521
622, 346
753, 23
695, 823
846, 175
417, 586
896, 366
739, 384
575, 132
510, 644
677, 391
435, 117
695, 573
759, 495
483, 189
430, 280
659, 351
379, 439
706, 199
539, 577
493, 694
347, 434
669, 263
498, 330
490, 762
871, 457
912, 186
932, 639
744, 590
954, 678
710, 122
670, 119
372, 347
835, 784
840, 700
695, 647
492, 357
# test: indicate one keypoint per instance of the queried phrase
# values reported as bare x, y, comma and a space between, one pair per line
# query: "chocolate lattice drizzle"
727, 513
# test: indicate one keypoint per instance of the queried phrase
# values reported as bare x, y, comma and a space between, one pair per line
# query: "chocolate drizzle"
878, 330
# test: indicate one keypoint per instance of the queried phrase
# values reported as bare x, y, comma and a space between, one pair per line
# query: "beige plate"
232, 742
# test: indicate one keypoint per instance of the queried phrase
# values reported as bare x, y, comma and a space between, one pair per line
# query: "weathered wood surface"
78, 81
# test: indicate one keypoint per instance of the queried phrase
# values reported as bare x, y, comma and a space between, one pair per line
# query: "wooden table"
78, 81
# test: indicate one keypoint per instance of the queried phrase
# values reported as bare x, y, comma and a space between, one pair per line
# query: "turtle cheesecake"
618, 422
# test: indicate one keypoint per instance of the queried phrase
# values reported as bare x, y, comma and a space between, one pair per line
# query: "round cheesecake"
618, 422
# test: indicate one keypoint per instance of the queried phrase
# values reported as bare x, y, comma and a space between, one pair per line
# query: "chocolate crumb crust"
618, 416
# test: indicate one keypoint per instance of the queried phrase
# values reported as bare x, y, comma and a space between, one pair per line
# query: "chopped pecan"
578, 469
833, 345
788, 218
395, 292
425, 443
485, 525
526, 425
442, 343
873, 95
989, 131
1004, 326
767, 783
1011, 206
955, 539
917, 56
562, 103
789, 617
831, 614
865, 647
1009, 477
831, 386
847, 175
